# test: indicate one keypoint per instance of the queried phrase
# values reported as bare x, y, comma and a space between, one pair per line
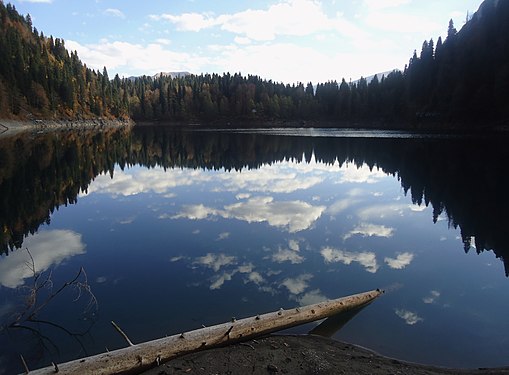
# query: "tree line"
462, 79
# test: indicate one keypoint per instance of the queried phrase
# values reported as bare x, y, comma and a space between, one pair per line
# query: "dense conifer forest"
462, 80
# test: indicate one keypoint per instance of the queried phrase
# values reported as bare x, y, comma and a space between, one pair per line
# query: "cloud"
223, 236
127, 58
241, 196
137, 181
383, 4
294, 216
256, 278
381, 211
309, 298
433, 296
187, 21
397, 22
301, 18
409, 317
401, 261
114, 12
365, 258
242, 40
370, 230
269, 179
285, 255
298, 284
215, 261
341, 205
353, 174
219, 280
48, 248
294, 245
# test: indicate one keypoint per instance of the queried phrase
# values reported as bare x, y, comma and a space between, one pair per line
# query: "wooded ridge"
462, 80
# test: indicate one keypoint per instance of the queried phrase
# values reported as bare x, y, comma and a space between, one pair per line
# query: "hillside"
461, 82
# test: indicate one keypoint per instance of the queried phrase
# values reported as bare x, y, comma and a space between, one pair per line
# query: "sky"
287, 41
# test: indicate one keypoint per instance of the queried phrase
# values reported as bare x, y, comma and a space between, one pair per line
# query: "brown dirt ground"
298, 355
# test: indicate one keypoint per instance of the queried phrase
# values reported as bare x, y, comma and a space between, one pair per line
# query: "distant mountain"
378, 75
171, 74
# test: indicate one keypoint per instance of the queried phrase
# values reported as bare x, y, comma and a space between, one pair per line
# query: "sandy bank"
298, 355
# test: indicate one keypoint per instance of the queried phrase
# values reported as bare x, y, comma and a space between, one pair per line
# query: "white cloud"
127, 58
293, 216
365, 258
409, 317
187, 21
294, 245
403, 22
301, 17
223, 236
298, 284
241, 196
48, 248
341, 205
311, 297
401, 261
215, 261
137, 181
269, 179
381, 211
433, 296
114, 12
285, 255
353, 174
219, 280
242, 40
163, 41
417, 208
192, 212
382, 4
256, 278
370, 230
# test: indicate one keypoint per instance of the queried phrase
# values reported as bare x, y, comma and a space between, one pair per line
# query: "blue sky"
284, 40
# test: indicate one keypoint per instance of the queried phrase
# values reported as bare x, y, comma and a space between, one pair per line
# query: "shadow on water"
464, 178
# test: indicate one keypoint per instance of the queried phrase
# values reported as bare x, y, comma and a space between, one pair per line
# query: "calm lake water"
175, 229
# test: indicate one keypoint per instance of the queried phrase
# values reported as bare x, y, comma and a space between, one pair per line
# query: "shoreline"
10, 127
300, 354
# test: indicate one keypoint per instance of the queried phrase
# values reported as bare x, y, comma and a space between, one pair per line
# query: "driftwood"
137, 358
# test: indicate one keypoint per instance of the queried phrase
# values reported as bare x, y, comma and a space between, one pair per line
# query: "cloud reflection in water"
48, 248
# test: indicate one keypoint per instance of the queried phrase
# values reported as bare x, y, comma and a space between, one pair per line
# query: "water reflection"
464, 178
238, 224
47, 249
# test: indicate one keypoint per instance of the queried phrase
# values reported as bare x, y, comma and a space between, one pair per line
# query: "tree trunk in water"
137, 358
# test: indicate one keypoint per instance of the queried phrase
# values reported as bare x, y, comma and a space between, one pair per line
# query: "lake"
179, 228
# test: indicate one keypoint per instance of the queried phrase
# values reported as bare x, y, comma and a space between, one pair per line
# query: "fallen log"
139, 357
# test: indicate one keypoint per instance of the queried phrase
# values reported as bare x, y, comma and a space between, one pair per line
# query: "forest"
459, 82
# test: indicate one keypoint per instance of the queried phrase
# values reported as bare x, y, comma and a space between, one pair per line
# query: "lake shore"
306, 354
11, 127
